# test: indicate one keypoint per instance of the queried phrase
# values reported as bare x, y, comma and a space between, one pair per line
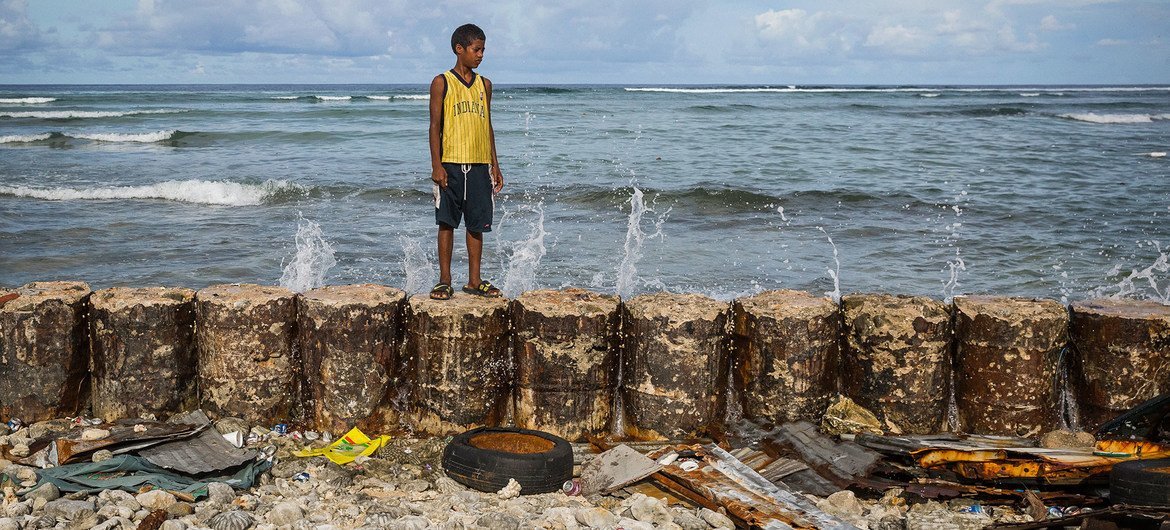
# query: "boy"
463, 160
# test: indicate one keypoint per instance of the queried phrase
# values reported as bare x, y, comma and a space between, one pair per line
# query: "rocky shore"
403, 486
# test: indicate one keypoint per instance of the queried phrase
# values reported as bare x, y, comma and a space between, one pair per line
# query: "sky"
690, 42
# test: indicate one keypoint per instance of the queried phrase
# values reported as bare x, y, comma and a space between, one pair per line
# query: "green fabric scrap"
130, 473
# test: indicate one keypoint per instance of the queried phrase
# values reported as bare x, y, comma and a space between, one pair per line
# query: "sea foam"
26, 101
1115, 118
221, 193
22, 138
75, 114
156, 136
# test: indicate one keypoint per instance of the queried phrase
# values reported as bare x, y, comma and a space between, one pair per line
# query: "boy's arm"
497, 175
438, 174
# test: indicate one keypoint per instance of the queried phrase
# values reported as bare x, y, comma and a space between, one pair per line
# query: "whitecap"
1029, 94
286, 97
380, 98
1156, 154
930, 94
223, 193
26, 101
156, 136
414, 96
1114, 118
74, 114
334, 98
22, 138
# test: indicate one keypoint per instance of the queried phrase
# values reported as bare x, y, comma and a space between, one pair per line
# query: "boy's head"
465, 35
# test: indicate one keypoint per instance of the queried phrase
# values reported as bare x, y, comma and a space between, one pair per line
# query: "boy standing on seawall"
463, 160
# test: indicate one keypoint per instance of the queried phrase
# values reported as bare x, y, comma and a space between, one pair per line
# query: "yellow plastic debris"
355, 443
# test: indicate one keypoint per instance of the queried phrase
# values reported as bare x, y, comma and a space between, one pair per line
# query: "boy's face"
470, 55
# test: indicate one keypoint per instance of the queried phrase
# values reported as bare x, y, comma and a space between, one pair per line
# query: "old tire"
542, 467
1141, 482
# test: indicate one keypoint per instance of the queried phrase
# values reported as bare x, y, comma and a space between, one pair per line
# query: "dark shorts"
470, 198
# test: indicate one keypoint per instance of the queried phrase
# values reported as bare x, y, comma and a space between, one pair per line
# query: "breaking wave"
78, 114
26, 101
156, 136
220, 193
1116, 118
24, 138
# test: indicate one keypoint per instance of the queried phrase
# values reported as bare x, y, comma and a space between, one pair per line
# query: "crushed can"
572, 487
15, 424
281, 428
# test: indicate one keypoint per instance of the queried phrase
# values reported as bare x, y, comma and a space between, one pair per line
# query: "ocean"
1059, 192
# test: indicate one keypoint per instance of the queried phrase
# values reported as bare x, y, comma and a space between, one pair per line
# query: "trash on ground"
344, 450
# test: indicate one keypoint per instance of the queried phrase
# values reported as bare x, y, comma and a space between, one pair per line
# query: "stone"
787, 355
510, 491
70, 509
498, 521
231, 520
595, 517
180, 509
247, 325
687, 520
674, 362
47, 491
932, 515
219, 493
20, 450
94, 434
348, 337
173, 524
285, 513
843, 504
411, 522
566, 359
844, 416
649, 509
897, 360
50, 521
462, 343
633, 524
560, 517
143, 351
18, 509
1064, 439
716, 519
1121, 350
1007, 356
44, 351
8, 523
121, 498
155, 499
101, 455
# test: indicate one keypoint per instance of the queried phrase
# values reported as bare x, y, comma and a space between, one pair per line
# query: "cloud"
17, 32
1112, 42
899, 40
1050, 23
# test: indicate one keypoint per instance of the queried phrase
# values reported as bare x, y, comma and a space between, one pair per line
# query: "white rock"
220, 493
843, 504
101, 455
94, 434
631, 524
47, 491
649, 510
18, 509
411, 522
285, 513
595, 517
19, 449
8, 523
511, 491
70, 509
716, 519
173, 524
561, 517
155, 500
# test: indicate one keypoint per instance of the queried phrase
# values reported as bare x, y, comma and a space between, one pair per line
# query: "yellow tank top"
466, 137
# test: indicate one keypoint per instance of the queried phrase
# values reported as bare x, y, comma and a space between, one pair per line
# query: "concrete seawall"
574, 362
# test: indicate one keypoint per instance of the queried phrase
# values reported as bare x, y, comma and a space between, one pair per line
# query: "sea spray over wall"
313, 259
420, 274
627, 271
525, 256
1138, 281
834, 274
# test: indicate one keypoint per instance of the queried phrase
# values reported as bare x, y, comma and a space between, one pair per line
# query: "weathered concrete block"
674, 364
143, 352
44, 351
245, 341
457, 359
566, 351
787, 355
897, 361
1007, 362
348, 336
1123, 356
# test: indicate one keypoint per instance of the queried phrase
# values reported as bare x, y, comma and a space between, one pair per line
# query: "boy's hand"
439, 176
497, 179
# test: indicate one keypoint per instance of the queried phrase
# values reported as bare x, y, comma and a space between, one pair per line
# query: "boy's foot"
442, 291
485, 289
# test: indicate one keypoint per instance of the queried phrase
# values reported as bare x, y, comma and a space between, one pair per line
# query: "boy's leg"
474, 253
446, 245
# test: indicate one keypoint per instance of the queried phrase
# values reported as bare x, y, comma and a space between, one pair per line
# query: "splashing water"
1130, 286
420, 274
956, 264
834, 274
627, 271
524, 258
313, 259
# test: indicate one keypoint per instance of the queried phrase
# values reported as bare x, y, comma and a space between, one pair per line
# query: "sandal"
485, 289
441, 291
